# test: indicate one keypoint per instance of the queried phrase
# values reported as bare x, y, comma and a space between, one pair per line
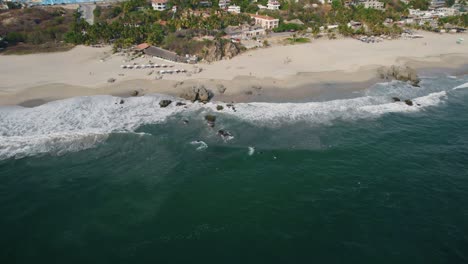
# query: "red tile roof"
159, 1
142, 46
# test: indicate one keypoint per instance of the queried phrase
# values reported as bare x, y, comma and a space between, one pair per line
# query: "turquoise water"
360, 180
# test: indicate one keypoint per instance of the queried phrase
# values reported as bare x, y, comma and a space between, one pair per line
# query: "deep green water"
392, 188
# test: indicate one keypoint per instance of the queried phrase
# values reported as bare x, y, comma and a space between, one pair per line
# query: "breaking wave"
79, 123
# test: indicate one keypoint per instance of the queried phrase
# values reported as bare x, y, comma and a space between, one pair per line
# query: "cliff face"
220, 50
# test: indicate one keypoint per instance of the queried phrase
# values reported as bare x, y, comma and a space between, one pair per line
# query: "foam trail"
201, 145
79, 123
74, 124
251, 151
463, 86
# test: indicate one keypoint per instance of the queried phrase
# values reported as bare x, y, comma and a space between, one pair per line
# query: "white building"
375, 4
234, 9
273, 5
266, 22
437, 3
223, 4
159, 5
245, 32
447, 11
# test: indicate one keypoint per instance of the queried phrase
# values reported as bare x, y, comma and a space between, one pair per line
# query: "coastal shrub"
14, 37
289, 27
420, 4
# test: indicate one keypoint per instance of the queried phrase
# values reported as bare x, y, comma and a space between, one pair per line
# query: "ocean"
357, 179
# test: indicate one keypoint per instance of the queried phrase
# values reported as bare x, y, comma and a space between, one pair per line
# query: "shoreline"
256, 75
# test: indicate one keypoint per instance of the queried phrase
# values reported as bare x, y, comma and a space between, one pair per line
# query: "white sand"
81, 71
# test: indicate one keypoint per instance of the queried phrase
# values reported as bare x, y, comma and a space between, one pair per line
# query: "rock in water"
409, 102
396, 99
180, 104
219, 107
164, 103
135, 93
225, 135
210, 119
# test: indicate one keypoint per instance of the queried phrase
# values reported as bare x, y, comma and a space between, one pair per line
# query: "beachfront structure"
223, 4
159, 5
432, 14
448, 11
375, 4
234, 9
273, 5
266, 22
244, 32
437, 3
157, 52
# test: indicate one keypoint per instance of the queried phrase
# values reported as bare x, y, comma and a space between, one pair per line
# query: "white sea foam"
326, 112
80, 123
201, 145
74, 124
463, 86
251, 151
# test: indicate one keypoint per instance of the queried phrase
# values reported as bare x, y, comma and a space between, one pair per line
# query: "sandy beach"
304, 69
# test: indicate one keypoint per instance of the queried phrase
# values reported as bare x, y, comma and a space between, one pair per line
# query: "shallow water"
356, 180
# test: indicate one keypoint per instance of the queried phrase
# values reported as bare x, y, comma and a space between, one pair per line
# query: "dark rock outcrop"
180, 104
221, 89
210, 119
409, 102
197, 94
396, 99
164, 103
400, 73
121, 101
224, 134
135, 93
220, 50
219, 107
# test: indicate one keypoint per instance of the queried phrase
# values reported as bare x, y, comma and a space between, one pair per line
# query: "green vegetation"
461, 20
295, 40
193, 28
289, 27
34, 29
449, 2
419, 4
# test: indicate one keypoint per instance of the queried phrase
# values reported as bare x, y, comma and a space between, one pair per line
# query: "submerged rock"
121, 101
225, 135
219, 107
396, 99
164, 103
409, 102
180, 104
210, 119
